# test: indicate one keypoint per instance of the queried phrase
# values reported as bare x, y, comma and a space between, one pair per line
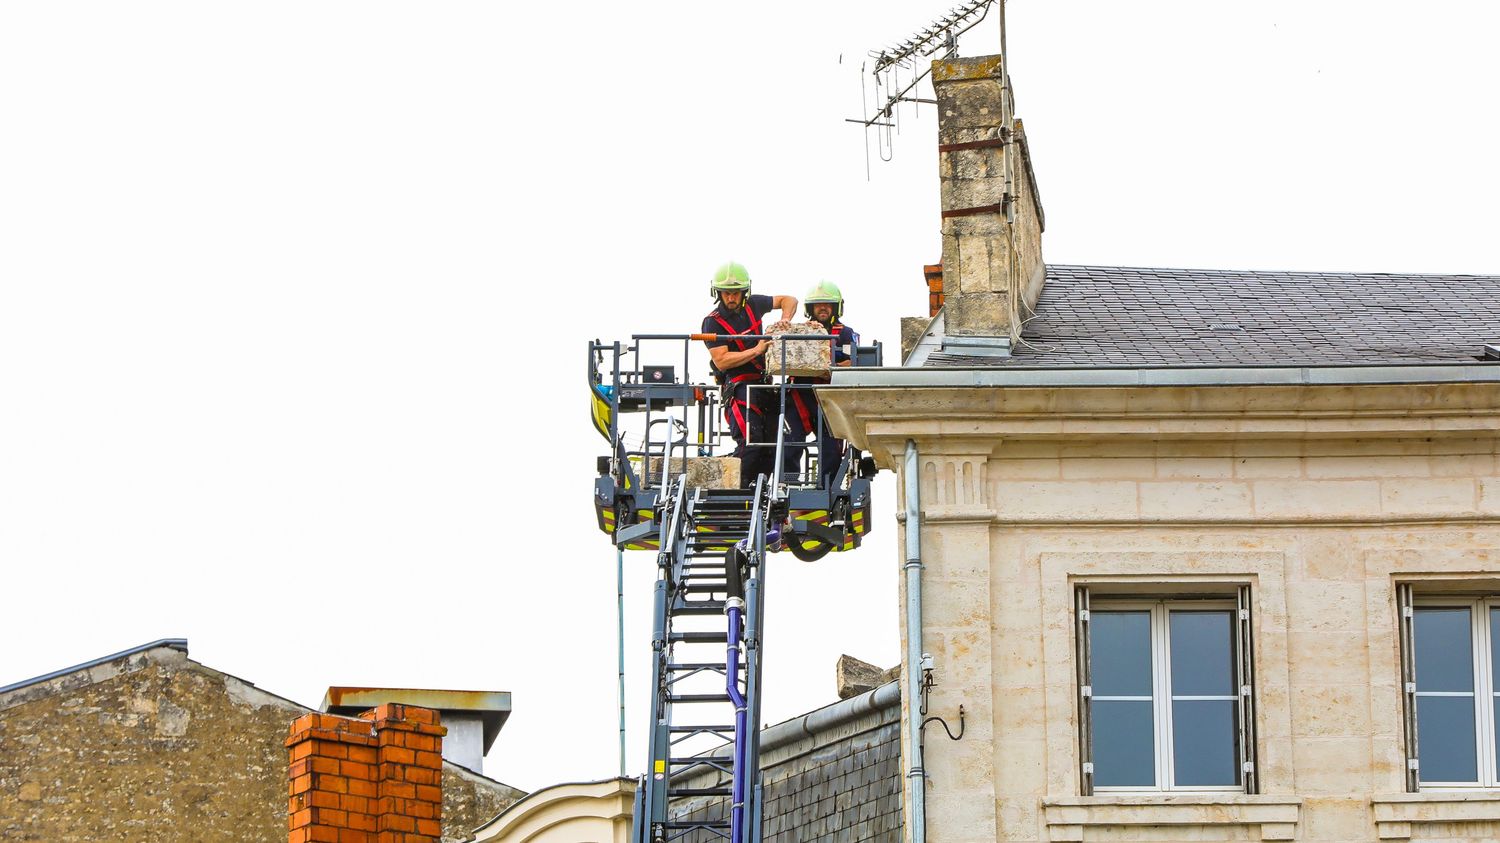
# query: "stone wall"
1320, 529
155, 746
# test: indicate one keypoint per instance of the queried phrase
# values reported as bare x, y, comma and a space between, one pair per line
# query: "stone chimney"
992, 218
376, 778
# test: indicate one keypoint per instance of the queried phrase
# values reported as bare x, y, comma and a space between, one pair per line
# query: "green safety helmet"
826, 292
730, 276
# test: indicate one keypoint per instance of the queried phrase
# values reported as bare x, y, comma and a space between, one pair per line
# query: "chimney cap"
492, 707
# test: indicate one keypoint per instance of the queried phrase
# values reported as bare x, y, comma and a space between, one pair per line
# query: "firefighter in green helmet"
739, 365
824, 306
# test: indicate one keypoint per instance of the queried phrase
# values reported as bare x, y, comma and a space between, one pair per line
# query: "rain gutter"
817, 722
1104, 376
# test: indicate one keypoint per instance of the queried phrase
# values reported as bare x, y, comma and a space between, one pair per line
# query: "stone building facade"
1319, 504
151, 745
1204, 555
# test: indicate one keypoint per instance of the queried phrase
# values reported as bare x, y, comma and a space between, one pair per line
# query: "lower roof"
1128, 316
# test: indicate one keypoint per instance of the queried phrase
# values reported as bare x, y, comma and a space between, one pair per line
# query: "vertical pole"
754, 650
660, 739
917, 777
776, 484
620, 642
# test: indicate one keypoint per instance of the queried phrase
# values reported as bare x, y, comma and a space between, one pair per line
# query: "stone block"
1108, 468
1194, 500
804, 358
912, 330
1489, 495
1414, 496
977, 314
1066, 500
855, 677
1462, 465
704, 472
1313, 499
1367, 465
1330, 710
1194, 468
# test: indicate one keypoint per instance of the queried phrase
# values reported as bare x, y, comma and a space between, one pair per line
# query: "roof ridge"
1264, 272
180, 644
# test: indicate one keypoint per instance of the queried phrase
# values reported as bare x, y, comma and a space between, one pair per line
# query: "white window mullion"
1162, 674
1484, 693
1481, 756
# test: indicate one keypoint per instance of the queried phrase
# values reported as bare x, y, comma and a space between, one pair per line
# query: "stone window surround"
1273, 817
1438, 589
1160, 574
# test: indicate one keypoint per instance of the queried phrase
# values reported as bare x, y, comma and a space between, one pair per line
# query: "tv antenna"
895, 72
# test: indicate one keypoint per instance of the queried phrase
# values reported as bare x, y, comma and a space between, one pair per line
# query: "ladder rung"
697, 698
705, 608
705, 729
702, 824
700, 791
695, 637
695, 666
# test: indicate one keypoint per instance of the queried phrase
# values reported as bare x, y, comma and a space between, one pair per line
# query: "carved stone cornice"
975, 419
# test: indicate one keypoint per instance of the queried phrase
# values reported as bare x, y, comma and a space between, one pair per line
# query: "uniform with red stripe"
748, 413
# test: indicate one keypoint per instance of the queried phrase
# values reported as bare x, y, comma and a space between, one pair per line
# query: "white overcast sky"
294, 295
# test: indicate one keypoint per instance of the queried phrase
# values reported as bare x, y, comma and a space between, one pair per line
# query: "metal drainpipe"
916, 812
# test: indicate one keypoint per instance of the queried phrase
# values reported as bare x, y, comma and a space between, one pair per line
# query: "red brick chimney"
375, 778
933, 273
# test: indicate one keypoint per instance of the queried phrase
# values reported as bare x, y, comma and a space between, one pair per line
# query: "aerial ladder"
702, 780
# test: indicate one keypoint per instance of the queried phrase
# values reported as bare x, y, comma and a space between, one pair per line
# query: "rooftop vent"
1492, 351
473, 718
1224, 326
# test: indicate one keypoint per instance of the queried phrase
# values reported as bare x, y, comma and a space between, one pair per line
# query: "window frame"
1159, 609
1487, 765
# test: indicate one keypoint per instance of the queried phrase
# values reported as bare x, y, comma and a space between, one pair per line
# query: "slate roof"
1126, 316
840, 784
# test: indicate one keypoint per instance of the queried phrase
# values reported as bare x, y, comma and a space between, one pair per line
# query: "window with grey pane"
1165, 697
1449, 665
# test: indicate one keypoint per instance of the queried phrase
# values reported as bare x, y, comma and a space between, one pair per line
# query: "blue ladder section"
705, 702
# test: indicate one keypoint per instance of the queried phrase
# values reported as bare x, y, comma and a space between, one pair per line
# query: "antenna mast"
887, 65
